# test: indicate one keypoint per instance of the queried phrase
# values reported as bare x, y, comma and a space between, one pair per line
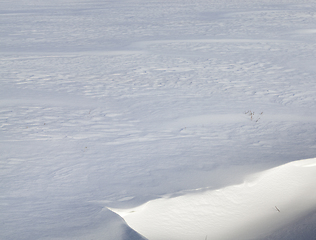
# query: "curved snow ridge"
306, 31
70, 54
209, 119
142, 44
289, 118
264, 203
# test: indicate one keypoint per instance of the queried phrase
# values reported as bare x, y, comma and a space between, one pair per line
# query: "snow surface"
116, 103
252, 210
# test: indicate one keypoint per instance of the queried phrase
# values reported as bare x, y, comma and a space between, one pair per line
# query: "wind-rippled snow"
115, 103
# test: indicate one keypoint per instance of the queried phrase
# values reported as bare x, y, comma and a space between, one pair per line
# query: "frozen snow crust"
267, 201
116, 103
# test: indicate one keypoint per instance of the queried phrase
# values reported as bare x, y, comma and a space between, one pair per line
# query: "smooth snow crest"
270, 200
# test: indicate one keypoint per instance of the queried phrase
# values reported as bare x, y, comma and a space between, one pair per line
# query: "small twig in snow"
277, 209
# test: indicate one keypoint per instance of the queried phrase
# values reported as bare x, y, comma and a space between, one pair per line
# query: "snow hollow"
131, 103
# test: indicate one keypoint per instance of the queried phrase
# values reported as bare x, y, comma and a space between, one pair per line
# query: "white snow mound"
263, 203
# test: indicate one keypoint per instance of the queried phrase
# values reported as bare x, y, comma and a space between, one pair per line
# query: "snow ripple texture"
117, 103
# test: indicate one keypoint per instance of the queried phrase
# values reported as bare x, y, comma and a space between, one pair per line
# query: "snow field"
116, 103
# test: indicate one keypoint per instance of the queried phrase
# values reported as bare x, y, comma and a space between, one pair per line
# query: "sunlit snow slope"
265, 202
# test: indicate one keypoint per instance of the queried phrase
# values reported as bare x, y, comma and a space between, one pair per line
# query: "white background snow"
114, 103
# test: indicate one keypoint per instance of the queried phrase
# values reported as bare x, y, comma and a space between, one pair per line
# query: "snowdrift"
264, 203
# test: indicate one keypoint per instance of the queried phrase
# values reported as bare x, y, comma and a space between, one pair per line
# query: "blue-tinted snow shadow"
303, 228
32, 219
